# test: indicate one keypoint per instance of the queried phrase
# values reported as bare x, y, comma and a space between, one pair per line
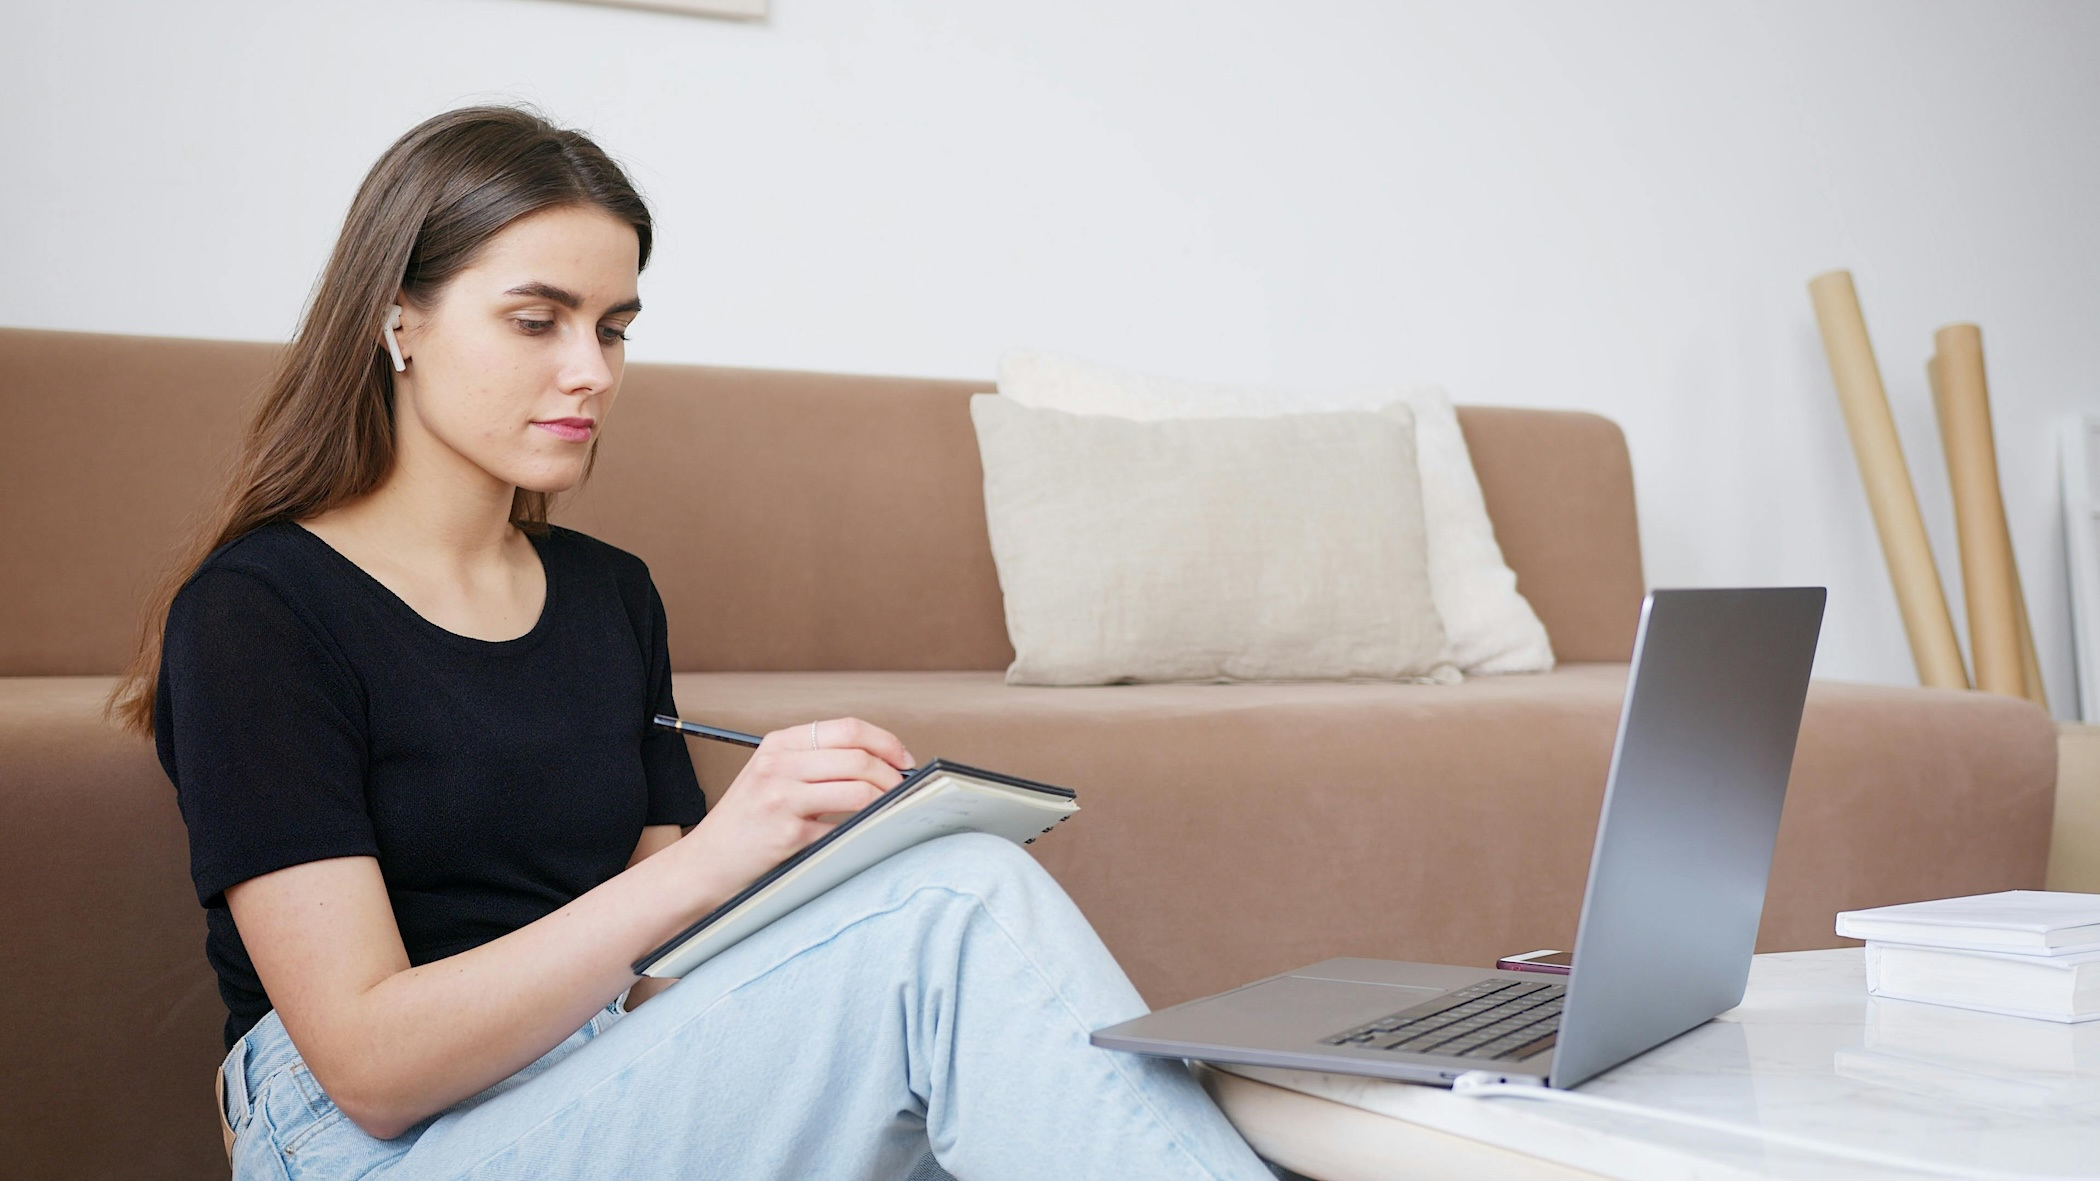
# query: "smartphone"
1555, 963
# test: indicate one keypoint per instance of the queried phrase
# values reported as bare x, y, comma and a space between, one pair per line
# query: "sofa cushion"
1488, 627
1447, 823
1284, 548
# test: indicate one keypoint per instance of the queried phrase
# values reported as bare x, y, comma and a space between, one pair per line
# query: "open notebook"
935, 800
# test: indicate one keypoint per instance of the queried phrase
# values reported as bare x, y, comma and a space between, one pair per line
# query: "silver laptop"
1669, 920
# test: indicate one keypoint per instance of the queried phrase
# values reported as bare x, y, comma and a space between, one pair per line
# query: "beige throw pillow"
1281, 548
1488, 625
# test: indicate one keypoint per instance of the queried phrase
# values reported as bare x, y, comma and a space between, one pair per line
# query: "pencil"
738, 737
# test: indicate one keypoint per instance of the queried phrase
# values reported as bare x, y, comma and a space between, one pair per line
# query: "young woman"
407, 722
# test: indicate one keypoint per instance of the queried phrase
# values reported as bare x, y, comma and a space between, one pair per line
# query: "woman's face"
515, 367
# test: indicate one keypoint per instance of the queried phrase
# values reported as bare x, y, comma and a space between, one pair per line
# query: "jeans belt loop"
233, 1083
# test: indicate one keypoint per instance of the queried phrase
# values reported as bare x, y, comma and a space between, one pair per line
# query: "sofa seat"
1252, 798
1319, 820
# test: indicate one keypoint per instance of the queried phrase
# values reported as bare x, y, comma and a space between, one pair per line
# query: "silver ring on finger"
813, 743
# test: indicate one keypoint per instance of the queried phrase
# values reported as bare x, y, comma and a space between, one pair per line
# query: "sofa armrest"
115, 1020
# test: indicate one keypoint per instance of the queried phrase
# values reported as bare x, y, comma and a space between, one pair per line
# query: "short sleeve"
674, 790
263, 735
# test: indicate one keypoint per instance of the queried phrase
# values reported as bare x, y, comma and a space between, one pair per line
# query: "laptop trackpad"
1298, 1009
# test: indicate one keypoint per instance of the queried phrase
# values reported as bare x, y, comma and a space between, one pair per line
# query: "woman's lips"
569, 430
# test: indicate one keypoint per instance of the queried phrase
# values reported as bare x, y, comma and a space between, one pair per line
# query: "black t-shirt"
306, 712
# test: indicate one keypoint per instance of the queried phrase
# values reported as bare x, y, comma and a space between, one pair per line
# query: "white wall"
1611, 206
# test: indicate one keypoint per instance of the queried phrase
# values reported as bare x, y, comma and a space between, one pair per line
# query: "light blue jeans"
940, 1002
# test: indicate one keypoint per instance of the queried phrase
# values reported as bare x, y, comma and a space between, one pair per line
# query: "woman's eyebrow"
538, 290
569, 299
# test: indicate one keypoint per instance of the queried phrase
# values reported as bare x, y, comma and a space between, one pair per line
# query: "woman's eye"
535, 327
610, 334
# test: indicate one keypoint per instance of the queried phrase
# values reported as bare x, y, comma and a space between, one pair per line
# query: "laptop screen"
1691, 811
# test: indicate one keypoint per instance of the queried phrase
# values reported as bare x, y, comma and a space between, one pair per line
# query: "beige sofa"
821, 548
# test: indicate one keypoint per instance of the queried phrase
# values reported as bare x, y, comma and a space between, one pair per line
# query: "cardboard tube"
2030, 660
1989, 582
1887, 478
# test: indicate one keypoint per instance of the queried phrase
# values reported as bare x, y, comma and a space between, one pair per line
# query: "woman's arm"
393, 1044
655, 839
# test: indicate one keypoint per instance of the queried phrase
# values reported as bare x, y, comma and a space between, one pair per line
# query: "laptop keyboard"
1496, 1018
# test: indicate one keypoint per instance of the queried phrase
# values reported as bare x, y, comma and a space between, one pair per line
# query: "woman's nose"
585, 369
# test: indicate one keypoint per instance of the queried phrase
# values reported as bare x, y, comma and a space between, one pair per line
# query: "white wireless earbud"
393, 343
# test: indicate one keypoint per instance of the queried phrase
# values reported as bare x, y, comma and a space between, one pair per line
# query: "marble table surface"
1807, 1053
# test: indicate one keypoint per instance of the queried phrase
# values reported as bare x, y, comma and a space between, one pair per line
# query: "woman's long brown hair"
323, 435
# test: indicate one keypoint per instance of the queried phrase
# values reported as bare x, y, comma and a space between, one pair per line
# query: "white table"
1808, 1052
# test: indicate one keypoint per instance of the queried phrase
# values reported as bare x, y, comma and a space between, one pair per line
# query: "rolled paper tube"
1887, 478
2030, 660
1939, 416
1988, 580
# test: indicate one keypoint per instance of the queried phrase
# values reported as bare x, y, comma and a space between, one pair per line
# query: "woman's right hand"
791, 793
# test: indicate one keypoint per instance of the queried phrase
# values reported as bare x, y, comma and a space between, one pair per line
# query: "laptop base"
1284, 1021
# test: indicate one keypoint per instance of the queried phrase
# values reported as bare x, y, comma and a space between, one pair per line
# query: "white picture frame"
2081, 460
745, 10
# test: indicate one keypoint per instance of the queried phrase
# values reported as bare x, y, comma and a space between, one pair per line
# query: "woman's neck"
435, 509
437, 533
436, 519
446, 547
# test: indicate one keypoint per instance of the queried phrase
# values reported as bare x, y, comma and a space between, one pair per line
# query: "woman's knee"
918, 890
972, 863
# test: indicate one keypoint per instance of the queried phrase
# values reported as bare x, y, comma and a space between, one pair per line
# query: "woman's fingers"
842, 734
852, 732
812, 766
835, 798
790, 793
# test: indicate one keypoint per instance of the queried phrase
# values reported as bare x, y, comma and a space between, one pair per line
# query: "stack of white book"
2025, 953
